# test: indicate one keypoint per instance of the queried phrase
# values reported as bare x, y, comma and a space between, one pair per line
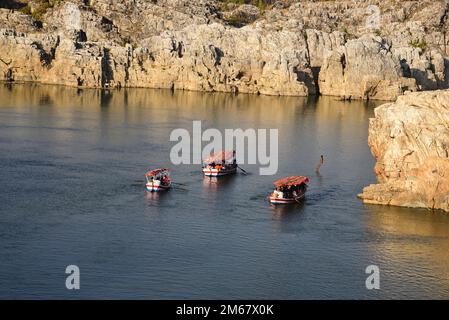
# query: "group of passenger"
163, 178
289, 192
220, 166
223, 165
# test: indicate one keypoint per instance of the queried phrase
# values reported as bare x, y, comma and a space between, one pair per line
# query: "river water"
72, 162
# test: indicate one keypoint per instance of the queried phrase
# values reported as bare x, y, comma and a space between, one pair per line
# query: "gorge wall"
350, 49
410, 141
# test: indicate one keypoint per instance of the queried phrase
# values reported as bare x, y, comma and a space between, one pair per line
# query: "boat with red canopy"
289, 190
158, 180
220, 164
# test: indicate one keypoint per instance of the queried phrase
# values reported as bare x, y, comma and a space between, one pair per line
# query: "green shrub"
41, 9
422, 44
39, 12
236, 21
261, 4
26, 10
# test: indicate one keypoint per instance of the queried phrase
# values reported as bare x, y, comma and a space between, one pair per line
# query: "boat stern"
213, 172
156, 186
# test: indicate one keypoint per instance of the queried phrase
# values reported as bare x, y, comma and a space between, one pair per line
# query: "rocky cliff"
351, 49
410, 141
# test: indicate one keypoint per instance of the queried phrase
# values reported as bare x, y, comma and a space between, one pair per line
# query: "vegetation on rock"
38, 8
421, 44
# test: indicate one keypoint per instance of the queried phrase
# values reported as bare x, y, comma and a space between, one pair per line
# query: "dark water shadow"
158, 199
287, 211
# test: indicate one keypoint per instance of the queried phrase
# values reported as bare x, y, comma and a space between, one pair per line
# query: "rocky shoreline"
409, 139
352, 50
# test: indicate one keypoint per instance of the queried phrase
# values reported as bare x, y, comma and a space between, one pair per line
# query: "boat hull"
275, 200
218, 173
155, 187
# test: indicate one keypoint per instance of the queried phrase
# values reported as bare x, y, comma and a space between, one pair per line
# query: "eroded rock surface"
364, 49
410, 141
364, 68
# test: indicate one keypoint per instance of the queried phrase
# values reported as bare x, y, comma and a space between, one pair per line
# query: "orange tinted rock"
410, 140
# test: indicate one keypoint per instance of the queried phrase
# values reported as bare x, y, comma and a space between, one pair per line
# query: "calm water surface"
72, 162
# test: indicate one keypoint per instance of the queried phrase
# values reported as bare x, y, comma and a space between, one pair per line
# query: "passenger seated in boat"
278, 193
165, 179
298, 190
288, 193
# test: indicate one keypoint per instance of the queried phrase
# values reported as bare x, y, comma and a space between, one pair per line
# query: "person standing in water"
317, 169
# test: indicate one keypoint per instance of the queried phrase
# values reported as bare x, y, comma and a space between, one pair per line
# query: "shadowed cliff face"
362, 50
13, 4
410, 139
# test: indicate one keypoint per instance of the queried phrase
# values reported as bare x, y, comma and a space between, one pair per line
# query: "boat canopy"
291, 181
220, 156
155, 172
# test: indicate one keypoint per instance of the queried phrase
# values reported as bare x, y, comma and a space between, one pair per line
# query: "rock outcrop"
410, 141
206, 57
217, 58
364, 68
364, 49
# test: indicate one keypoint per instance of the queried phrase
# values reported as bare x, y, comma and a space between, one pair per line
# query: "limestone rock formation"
46, 59
207, 57
364, 68
320, 44
410, 141
369, 49
217, 58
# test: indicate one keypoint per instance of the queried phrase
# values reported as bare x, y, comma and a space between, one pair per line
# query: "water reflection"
207, 237
213, 183
284, 211
156, 198
406, 240
218, 187
212, 106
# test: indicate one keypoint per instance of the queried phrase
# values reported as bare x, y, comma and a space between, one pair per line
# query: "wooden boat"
158, 180
220, 164
289, 190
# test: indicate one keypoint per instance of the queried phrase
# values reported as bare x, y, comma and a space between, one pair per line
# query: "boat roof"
225, 155
156, 172
291, 181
